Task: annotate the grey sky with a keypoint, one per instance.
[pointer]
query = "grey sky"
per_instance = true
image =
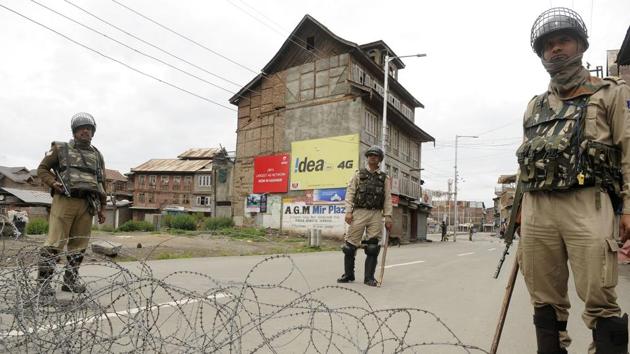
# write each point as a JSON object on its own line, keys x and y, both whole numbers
{"x": 477, "y": 78}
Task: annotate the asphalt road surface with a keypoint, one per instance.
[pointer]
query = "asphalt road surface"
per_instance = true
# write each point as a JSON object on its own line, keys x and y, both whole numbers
{"x": 453, "y": 280}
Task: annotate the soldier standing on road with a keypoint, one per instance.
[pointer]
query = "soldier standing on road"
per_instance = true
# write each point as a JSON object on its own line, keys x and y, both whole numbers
{"x": 78, "y": 188}
{"x": 368, "y": 201}
{"x": 575, "y": 171}
{"x": 443, "y": 229}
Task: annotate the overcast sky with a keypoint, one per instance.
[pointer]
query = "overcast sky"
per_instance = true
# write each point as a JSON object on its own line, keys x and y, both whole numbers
{"x": 477, "y": 78}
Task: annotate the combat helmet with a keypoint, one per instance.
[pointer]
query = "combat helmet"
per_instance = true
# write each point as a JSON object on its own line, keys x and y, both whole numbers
{"x": 375, "y": 150}
{"x": 553, "y": 20}
{"x": 81, "y": 119}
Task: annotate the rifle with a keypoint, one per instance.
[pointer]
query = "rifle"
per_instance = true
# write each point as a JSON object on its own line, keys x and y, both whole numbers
{"x": 509, "y": 238}
{"x": 512, "y": 226}
{"x": 65, "y": 188}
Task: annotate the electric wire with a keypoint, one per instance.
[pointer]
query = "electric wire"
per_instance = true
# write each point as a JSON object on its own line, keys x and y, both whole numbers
{"x": 117, "y": 60}
{"x": 132, "y": 48}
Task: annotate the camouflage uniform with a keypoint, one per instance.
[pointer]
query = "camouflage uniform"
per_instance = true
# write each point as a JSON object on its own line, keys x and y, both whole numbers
{"x": 70, "y": 221}
{"x": 568, "y": 213}
{"x": 368, "y": 220}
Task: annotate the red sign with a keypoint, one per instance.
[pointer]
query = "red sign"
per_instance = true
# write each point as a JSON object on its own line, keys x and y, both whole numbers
{"x": 271, "y": 173}
{"x": 395, "y": 200}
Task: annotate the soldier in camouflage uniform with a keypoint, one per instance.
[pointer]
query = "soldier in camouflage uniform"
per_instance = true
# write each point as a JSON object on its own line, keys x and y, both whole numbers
{"x": 75, "y": 172}
{"x": 368, "y": 202}
{"x": 575, "y": 169}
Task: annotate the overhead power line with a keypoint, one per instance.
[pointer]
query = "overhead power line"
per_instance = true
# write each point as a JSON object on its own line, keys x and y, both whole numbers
{"x": 116, "y": 60}
{"x": 151, "y": 44}
{"x": 132, "y": 48}
{"x": 184, "y": 37}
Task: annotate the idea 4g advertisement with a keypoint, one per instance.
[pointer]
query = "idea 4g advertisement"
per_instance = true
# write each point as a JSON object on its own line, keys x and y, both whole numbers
{"x": 324, "y": 163}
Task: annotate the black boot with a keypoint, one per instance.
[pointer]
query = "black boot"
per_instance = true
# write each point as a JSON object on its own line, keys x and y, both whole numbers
{"x": 46, "y": 270}
{"x": 350, "y": 252}
{"x": 71, "y": 281}
{"x": 547, "y": 330}
{"x": 371, "y": 259}
{"x": 610, "y": 335}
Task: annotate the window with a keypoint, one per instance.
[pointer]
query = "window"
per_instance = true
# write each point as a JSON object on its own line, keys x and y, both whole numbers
{"x": 310, "y": 43}
{"x": 175, "y": 198}
{"x": 152, "y": 180}
{"x": 141, "y": 181}
{"x": 177, "y": 180}
{"x": 404, "y": 148}
{"x": 141, "y": 198}
{"x": 388, "y": 169}
{"x": 388, "y": 136}
{"x": 186, "y": 198}
{"x": 395, "y": 172}
{"x": 165, "y": 182}
{"x": 372, "y": 124}
{"x": 150, "y": 198}
{"x": 395, "y": 140}
{"x": 188, "y": 183}
{"x": 204, "y": 180}
{"x": 415, "y": 155}
{"x": 203, "y": 200}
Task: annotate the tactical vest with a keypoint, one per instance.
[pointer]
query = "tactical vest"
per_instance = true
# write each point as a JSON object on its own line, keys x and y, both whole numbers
{"x": 370, "y": 190}
{"x": 557, "y": 156}
{"x": 81, "y": 170}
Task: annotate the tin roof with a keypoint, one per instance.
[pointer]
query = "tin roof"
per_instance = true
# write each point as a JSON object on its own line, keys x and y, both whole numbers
{"x": 172, "y": 165}
{"x": 114, "y": 175}
{"x": 198, "y": 153}
{"x": 30, "y": 196}
{"x": 16, "y": 174}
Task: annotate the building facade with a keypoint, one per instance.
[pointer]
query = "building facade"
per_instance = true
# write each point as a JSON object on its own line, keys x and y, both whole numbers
{"x": 320, "y": 86}
{"x": 198, "y": 181}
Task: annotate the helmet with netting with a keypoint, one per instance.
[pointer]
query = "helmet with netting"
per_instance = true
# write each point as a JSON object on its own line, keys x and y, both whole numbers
{"x": 80, "y": 119}
{"x": 375, "y": 150}
{"x": 554, "y": 20}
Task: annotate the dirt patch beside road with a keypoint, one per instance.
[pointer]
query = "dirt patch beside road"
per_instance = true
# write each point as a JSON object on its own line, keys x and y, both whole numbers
{"x": 149, "y": 246}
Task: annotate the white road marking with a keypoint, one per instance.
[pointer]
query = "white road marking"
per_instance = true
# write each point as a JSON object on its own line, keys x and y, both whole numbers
{"x": 133, "y": 311}
{"x": 402, "y": 264}
{"x": 492, "y": 249}
{"x": 465, "y": 254}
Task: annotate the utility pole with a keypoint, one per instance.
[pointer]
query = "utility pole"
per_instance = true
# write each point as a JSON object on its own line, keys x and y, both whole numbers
{"x": 456, "y": 177}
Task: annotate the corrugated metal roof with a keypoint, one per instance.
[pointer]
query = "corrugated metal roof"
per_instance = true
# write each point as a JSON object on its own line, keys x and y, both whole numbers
{"x": 199, "y": 153}
{"x": 114, "y": 175}
{"x": 16, "y": 174}
{"x": 172, "y": 165}
{"x": 30, "y": 196}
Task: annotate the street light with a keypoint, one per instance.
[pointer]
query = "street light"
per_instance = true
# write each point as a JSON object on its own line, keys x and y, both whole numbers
{"x": 385, "y": 88}
{"x": 456, "y": 222}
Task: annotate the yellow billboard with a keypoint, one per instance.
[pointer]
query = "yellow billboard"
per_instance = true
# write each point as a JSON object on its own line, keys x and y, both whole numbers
{"x": 324, "y": 163}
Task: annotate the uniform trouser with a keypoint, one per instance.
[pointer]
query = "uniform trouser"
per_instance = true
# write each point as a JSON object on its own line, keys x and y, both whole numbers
{"x": 561, "y": 226}
{"x": 368, "y": 220}
{"x": 70, "y": 224}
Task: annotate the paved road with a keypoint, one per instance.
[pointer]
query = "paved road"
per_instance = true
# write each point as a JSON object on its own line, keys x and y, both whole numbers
{"x": 451, "y": 279}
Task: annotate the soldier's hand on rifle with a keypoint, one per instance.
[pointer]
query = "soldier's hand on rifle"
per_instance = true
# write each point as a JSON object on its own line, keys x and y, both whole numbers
{"x": 624, "y": 228}
{"x": 348, "y": 219}
{"x": 101, "y": 217}
{"x": 388, "y": 225}
{"x": 58, "y": 187}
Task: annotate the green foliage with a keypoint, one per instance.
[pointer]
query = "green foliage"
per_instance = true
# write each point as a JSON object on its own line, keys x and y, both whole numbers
{"x": 184, "y": 222}
{"x": 166, "y": 220}
{"x": 133, "y": 225}
{"x": 244, "y": 233}
{"x": 106, "y": 228}
{"x": 37, "y": 227}
{"x": 218, "y": 223}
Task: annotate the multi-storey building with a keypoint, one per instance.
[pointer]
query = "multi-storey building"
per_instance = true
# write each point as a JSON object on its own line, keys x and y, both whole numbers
{"x": 321, "y": 86}
{"x": 198, "y": 181}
